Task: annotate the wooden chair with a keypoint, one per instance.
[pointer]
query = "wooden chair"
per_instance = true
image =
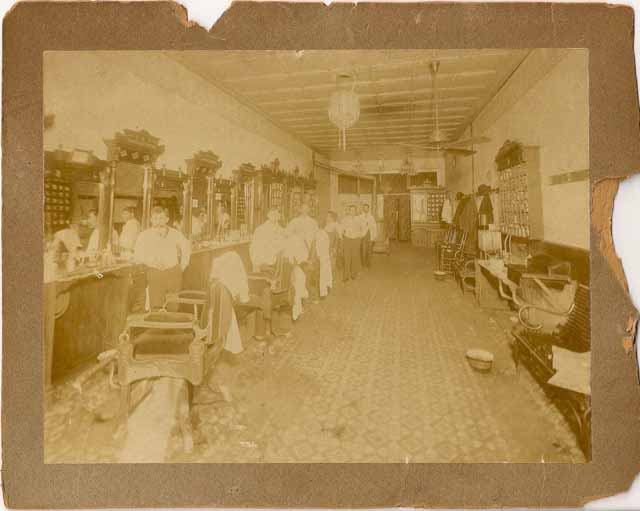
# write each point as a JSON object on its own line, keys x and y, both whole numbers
{"x": 465, "y": 274}
{"x": 447, "y": 240}
{"x": 175, "y": 345}
{"x": 534, "y": 348}
{"x": 451, "y": 255}
{"x": 269, "y": 292}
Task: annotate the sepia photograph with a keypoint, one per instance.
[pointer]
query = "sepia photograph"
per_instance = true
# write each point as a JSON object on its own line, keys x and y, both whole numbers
{"x": 327, "y": 256}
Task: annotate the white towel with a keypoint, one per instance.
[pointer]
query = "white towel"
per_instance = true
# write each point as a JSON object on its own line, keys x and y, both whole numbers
{"x": 447, "y": 211}
{"x": 233, "y": 341}
{"x": 299, "y": 282}
{"x": 229, "y": 270}
{"x": 326, "y": 273}
{"x": 296, "y": 250}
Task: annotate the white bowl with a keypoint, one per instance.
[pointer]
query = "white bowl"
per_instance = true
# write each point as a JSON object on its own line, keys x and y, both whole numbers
{"x": 480, "y": 360}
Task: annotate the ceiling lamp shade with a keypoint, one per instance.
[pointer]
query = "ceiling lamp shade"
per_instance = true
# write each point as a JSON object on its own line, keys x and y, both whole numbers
{"x": 344, "y": 107}
{"x": 407, "y": 167}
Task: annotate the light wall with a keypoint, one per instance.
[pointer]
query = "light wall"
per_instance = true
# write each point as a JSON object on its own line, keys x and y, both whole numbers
{"x": 546, "y": 104}
{"x": 421, "y": 164}
{"x": 95, "y": 94}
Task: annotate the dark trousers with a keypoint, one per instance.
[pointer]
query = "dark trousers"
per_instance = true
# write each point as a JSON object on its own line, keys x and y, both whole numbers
{"x": 161, "y": 282}
{"x": 351, "y": 248}
{"x": 365, "y": 250}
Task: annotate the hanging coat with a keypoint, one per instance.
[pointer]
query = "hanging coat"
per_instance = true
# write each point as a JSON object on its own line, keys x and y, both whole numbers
{"x": 468, "y": 221}
{"x": 486, "y": 208}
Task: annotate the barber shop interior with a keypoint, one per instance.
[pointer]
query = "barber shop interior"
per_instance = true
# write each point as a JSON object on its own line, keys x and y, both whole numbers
{"x": 352, "y": 256}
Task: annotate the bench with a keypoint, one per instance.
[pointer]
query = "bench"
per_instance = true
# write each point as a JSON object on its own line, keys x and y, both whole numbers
{"x": 535, "y": 349}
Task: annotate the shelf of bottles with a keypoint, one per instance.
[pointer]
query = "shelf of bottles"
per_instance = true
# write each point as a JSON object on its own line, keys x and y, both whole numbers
{"x": 435, "y": 200}
{"x": 57, "y": 203}
{"x": 514, "y": 201}
{"x": 276, "y": 195}
{"x": 243, "y": 203}
{"x": 296, "y": 194}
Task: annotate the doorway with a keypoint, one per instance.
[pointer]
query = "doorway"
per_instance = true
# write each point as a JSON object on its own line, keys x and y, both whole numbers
{"x": 397, "y": 216}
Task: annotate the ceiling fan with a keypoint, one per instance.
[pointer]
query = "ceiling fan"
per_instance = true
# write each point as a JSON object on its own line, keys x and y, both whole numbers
{"x": 438, "y": 140}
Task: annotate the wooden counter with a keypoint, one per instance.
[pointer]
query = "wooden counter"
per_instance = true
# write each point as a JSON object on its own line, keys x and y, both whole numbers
{"x": 85, "y": 311}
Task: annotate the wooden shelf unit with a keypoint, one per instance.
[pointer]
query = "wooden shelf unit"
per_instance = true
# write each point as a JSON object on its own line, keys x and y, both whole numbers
{"x": 426, "y": 207}
{"x": 520, "y": 185}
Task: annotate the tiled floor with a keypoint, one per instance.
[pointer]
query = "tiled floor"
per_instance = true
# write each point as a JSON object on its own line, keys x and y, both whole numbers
{"x": 375, "y": 373}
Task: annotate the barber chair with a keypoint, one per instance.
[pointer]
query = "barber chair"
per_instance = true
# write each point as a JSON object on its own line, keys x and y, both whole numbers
{"x": 269, "y": 292}
{"x": 545, "y": 326}
{"x": 174, "y": 345}
{"x": 453, "y": 255}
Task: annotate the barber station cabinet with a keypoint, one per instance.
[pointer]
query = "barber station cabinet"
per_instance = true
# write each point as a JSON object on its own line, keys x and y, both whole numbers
{"x": 202, "y": 168}
{"x": 243, "y": 199}
{"x": 311, "y": 197}
{"x": 134, "y": 154}
{"x": 301, "y": 190}
{"x": 426, "y": 206}
{"x": 273, "y": 180}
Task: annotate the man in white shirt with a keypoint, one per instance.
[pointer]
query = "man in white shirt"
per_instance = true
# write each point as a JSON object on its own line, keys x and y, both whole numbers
{"x": 352, "y": 231}
{"x": 166, "y": 253}
{"x": 304, "y": 227}
{"x": 130, "y": 230}
{"x": 92, "y": 245}
{"x": 370, "y": 234}
{"x": 198, "y": 224}
{"x": 267, "y": 242}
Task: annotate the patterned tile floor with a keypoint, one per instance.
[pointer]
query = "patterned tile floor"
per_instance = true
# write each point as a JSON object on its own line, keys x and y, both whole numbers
{"x": 375, "y": 373}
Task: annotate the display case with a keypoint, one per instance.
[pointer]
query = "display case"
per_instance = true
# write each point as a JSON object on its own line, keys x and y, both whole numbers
{"x": 426, "y": 208}
{"x": 70, "y": 187}
{"x": 520, "y": 191}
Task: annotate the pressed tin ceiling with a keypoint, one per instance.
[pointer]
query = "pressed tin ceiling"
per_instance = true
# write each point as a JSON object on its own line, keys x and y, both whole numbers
{"x": 395, "y": 87}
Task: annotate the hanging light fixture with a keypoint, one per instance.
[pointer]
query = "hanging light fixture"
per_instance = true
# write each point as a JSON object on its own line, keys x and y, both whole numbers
{"x": 407, "y": 167}
{"x": 344, "y": 107}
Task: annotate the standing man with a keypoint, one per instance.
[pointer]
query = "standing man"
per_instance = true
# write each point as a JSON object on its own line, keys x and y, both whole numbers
{"x": 267, "y": 242}
{"x": 94, "y": 238}
{"x": 370, "y": 234}
{"x": 305, "y": 228}
{"x": 334, "y": 231}
{"x": 198, "y": 224}
{"x": 130, "y": 230}
{"x": 351, "y": 236}
{"x": 166, "y": 253}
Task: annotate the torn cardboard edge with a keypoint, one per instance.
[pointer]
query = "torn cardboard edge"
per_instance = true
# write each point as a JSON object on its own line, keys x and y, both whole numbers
{"x": 603, "y": 195}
